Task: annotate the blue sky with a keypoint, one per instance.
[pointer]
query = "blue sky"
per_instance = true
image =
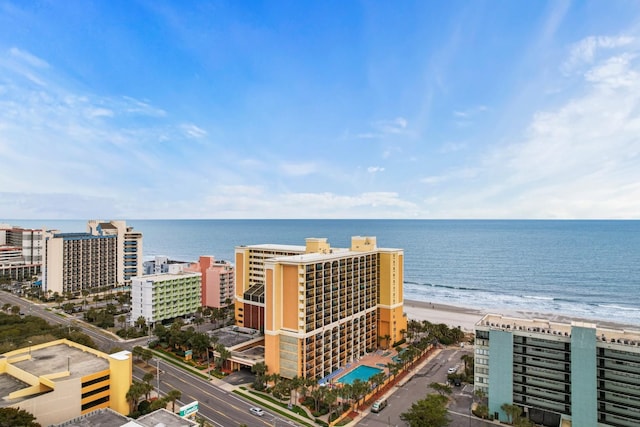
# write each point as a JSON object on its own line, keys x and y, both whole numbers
{"x": 319, "y": 109}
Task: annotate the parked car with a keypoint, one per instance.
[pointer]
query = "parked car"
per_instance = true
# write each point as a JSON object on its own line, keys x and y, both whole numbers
{"x": 379, "y": 405}
{"x": 256, "y": 411}
{"x": 452, "y": 370}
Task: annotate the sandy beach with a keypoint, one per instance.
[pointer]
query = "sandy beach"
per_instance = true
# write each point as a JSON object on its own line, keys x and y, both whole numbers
{"x": 466, "y": 318}
{"x": 450, "y": 315}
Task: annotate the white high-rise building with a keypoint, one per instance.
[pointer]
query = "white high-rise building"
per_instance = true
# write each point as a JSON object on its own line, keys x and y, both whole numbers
{"x": 109, "y": 254}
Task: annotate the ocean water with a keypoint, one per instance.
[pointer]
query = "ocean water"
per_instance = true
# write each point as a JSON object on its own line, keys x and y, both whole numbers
{"x": 585, "y": 269}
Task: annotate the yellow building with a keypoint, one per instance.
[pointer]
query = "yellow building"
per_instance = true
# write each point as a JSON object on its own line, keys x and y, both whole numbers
{"x": 61, "y": 379}
{"x": 323, "y": 307}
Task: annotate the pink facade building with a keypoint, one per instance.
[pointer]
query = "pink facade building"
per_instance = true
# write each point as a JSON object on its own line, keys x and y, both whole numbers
{"x": 218, "y": 281}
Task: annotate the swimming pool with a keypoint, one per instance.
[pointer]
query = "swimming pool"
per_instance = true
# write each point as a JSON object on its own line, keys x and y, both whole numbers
{"x": 362, "y": 373}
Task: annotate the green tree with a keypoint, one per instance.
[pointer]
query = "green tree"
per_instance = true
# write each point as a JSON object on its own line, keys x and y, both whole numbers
{"x": 12, "y": 417}
{"x": 174, "y": 395}
{"x": 134, "y": 394}
{"x": 513, "y": 413}
{"x": 428, "y": 412}
{"x": 146, "y": 355}
{"x": 359, "y": 389}
{"x": 141, "y": 323}
{"x": 260, "y": 369}
{"x": 123, "y": 321}
{"x": 378, "y": 380}
{"x": 442, "y": 389}
{"x": 200, "y": 343}
{"x": 223, "y": 356}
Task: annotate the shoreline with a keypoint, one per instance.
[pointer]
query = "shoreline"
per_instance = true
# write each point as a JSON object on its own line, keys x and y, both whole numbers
{"x": 466, "y": 317}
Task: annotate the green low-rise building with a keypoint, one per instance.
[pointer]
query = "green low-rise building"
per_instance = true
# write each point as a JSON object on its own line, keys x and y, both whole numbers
{"x": 160, "y": 297}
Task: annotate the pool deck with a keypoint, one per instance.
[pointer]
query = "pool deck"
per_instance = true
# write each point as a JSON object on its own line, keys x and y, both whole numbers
{"x": 377, "y": 360}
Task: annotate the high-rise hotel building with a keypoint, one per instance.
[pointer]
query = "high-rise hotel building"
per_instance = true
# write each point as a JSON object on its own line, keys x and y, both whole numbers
{"x": 107, "y": 255}
{"x": 320, "y": 307}
{"x": 560, "y": 374}
{"x": 21, "y": 251}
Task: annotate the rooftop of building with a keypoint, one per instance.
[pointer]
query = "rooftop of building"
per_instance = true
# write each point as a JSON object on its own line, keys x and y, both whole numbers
{"x": 109, "y": 418}
{"x": 275, "y": 247}
{"x": 233, "y": 336}
{"x": 98, "y": 418}
{"x": 57, "y": 358}
{"x": 166, "y": 276}
{"x": 558, "y": 328}
{"x": 107, "y": 225}
{"x": 164, "y": 418}
{"x": 57, "y": 361}
{"x": 82, "y": 235}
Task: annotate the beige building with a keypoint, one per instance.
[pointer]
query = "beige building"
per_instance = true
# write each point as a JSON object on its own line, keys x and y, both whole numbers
{"x": 323, "y": 307}
{"x": 108, "y": 255}
{"x": 59, "y": 380}
{"x": 129, "y": 257}
{"x": 21, "y": 252}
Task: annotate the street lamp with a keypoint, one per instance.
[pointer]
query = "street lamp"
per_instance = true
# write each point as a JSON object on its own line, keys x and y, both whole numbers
{"x": 158, "y": 375}
{"x": 208, "y": 366}
{"x": 30, "y": 349}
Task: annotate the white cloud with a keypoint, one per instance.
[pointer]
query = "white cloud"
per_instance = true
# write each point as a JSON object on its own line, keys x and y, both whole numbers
{"x": 193, "y": 131}
{"x": 28, "y": 58}
{"x": 585, "y": 51}
{"x": 470, "y": 111}
{"x": 375, "y": 169}
{"x": 452, "y": 147}
{"x": 385, "y": 128}
{"x": 135, "y": 106}
{"x": 298, "y": 169}
{"x": 613, "y": 73}
{"x": 579, "y": 160}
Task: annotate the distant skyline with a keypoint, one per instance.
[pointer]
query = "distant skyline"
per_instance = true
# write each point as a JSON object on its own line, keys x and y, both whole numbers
{"x": 332, "y": 109}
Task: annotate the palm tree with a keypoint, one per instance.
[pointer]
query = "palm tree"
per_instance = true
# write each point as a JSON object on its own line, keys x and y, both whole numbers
{"x": 147, "y": 378}
{"x": 359, "y": 389}
{"x": 123, "y": 321}
{"x": 260, "y": 369}
{"x": 317, "y": 394}
{"x": 136, "y": 390}
{"x": 330, "y": 398}
{"x": 394, "y": 368}
{"x": 174, "y": 395}
{"x": 378, "y": 380}
{"x": 295, "y": 382}
{"x": 387, "y": 339}
{"x": 224, "y": 355}
{"x": 468, "y": 361}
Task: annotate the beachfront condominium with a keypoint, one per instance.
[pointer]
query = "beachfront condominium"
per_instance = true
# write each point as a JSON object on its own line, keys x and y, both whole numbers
{"x": 129, "y": 247}
{"x": 165, "y": 296}
{"x": 61, "y": 379}
{"x": 250, "y": 280}
{"x": 218, "y": 281}
{"x": 21, "y": 252}
{"x": 109, "y": 254}
{"x": 323, "y": 307}
{"x": 559, "y": 374}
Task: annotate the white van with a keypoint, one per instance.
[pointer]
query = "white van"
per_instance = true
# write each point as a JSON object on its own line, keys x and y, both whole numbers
{"x": 379, "y": 405}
